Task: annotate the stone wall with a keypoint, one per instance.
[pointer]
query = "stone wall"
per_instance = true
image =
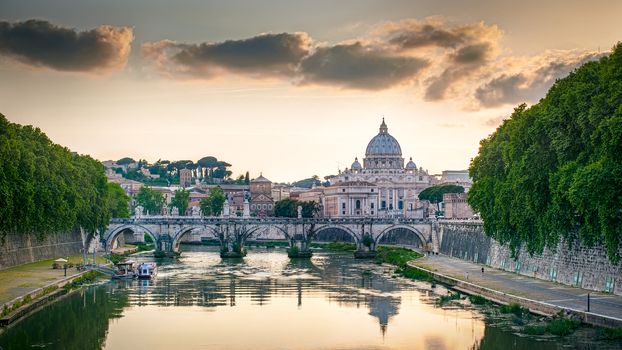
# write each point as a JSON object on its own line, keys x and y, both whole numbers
{"x": 20, "y": 249}
{"x": 576, "y": 265}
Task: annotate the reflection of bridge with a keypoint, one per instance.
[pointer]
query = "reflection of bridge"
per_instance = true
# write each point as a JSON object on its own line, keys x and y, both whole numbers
{"x": 168, "y": 231}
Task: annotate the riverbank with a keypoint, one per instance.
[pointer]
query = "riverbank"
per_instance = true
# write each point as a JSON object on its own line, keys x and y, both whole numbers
{"x": 539, "y": 297}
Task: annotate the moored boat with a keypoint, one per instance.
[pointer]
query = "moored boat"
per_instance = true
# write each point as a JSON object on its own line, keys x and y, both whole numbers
{"x": 125, "y": 270}
{"x": 147, "y": 270}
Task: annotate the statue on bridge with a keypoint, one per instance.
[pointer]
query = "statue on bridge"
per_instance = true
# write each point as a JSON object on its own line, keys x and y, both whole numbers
{"x": 175, "y": 211}
{"x": 138, "y": 212}
{"x": 196, "y": 211}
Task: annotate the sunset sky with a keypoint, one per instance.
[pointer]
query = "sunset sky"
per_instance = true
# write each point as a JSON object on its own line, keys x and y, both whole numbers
{"x": 289, "y": 88}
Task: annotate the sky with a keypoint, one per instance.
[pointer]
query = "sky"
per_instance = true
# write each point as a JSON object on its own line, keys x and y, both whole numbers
{"x": 287, "y": 88}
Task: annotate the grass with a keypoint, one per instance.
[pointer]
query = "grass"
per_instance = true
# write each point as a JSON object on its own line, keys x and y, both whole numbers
{"x": 396, "y": 256}
{"x": 535, "y": 329}
{"x": 84, "y": 279}
{"x": 612, "y": 333}
{"x": 143, "y": 247}
{"x": 562, "y": 326}
{"x": 27, "y": 299}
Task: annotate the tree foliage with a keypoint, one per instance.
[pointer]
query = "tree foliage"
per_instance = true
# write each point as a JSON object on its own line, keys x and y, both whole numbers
{"x": 125, "y": 161}
{"x": 45, "y": 188}
{"x": 435, "y": 194}
{"x": 180, "y": 200}
{"x": 288, "y": 208}
{"x": 118, "y": 201}
{"x": 150, "y": 200}
{"x": 213, "y": 205}
{"x": 555, "y": 169}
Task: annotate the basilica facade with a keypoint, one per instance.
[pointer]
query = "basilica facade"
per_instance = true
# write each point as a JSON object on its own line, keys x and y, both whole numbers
{"x": 382, "y": 186}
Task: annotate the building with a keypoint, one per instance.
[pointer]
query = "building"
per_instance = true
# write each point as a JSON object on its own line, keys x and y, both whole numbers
{"x": 382, "y": 186}
{"x": 261, "y": 203}
{"x": 185, "y": 177}
{"x": 456, "y": 206}
{"x": 456, "y": 177}
{"x": 280, "y": 192}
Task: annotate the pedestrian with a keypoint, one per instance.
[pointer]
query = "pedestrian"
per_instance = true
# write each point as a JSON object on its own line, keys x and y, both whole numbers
{"x": 466, "y": 275}
{"x": 482, "y": 270}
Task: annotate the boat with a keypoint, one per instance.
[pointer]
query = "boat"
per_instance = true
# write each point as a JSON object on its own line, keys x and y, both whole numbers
{"x": 147, "y": 270}
{"x": 125, "y": 270}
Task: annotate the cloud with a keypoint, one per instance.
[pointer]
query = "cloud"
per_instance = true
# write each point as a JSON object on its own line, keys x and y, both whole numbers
{"x": 435, "y": 32}
{"x": 39, "y": 43}
{"x": 265, "y": 55}
{"x": 359, "y": 66}
{"x": 533, "y": 79}
{"x": 461, "y": 64}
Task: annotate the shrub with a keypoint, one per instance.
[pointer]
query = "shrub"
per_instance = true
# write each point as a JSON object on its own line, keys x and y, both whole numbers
{"x": 447, "y": 298}
{"x": 477, "y": 300}
{"x": 562, "y": 326}
{"x": 512, "y": 308}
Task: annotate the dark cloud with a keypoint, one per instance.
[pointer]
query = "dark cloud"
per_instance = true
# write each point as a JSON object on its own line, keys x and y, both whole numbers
{"x": 412, "y": 34}
{"x": 262, "y": 55}
{"x": 359, "y": 66}
{"x": 42, "y": 44}
{"x": 463, "y": 63}
{"x": 530, "y": 86}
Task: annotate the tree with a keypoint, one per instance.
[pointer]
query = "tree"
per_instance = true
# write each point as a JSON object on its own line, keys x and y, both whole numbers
{"x": 206, "y": 206}
{"x": 45, "y": 188}
{"x": 247, "y": 179}
{"x": 435, "y": 194}
{"x": 216, "y": 200}
{"x": 118, "y": 201}
{"x": 149, "y": 199}
{"x": 554, "y": 170}
{"x": 288, "y": 208}
{"x": 180, "y": 200}
{"x": 125, "y": 161}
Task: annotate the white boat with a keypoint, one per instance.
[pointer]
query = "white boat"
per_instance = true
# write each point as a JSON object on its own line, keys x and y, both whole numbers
{"x": 125, "y": 270}
{"x": 147, "y": 270}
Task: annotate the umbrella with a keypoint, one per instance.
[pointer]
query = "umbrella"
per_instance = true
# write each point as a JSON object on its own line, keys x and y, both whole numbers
{"x": 60, "y": 260}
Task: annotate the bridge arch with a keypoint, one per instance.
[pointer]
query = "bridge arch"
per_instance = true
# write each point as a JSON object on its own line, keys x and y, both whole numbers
{"x": 114, "y": 233}
{"x": 388, "y": 230}
{"x": 346, "y": 229}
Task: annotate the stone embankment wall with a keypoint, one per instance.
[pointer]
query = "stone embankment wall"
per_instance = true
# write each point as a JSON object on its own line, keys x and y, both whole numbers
{"x": 20, "y": 249}
{"x": 576, "y": 265}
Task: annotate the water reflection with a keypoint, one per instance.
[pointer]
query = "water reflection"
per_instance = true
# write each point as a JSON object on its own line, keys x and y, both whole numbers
{"x": 262, "y": 301}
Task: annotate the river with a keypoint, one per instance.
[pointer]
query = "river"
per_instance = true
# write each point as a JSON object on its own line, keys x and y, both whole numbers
{"x": 264, "y": 301}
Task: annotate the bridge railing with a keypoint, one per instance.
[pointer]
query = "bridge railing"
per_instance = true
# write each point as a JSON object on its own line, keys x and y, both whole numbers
{"x": 154, "y": 219}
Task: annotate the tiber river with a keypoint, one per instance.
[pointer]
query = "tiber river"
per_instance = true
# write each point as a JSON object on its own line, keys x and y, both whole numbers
{"x": 264, "y": 301}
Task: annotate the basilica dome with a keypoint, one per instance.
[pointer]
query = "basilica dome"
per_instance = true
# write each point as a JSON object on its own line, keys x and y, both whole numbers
{"x": 356, "y": 165}
{"x": 383, "y": 144}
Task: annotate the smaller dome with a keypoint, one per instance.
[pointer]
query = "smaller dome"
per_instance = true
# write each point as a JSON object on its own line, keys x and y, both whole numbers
{"x": 356, "y": 165}
{"x": 411, "y": 165}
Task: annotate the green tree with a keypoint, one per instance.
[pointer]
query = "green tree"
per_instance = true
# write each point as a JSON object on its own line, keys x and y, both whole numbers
{"x": 180, "y": 200}
{"x": 554, "y": 170}
{"x": 150, "y": 199}
{"x": 435, "y": 194}
{"x": 206, "y": 206}
{"x": 216, "y": 201}
{"x": 288, "y": 208}
{"x": 118, "y": 201}
{"x": 247, "y": 179}
{"x": 125, "y": 161}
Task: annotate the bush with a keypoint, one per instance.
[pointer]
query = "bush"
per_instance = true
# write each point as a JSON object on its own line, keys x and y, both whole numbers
{"x": 447, "y": 298}
{"x": 512, "y": 308}
{"x": 477, "y": 300}
{"x": 336, "y": 246}
{"x": 562, "y": 326}
{"x": 84, "y": 279}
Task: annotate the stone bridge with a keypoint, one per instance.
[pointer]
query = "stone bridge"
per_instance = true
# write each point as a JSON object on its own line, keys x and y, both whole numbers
{"x": 167, "y": 232}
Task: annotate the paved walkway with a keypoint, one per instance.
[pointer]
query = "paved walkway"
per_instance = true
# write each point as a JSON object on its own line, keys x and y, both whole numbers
{"x": 523, "y": 286}
{"x": 20, "y": 280}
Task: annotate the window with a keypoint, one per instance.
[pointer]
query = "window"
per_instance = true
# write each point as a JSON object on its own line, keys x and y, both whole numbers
{"x": 358, "y": 204}
{"x": 383, "y": 204}
{"x": 372, "y": 212}
{"x": 343, "y": 205}
{"x": 343, "y": 213}
{"x": 253, "y": 206}
{"x": 372, "y": 190}
{"x": 391, "y": 206}
{"x": 420, "y": 178}
{"x": 270, "y": 206}
{"x": 343, "y": 190}
{"x": 372, "y": 205}
{"x": 400, "y": 205}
